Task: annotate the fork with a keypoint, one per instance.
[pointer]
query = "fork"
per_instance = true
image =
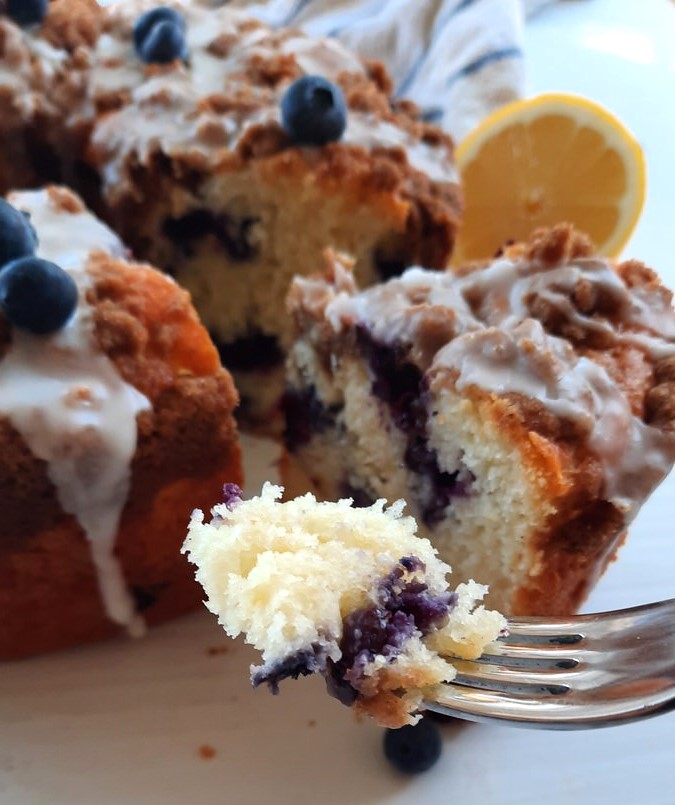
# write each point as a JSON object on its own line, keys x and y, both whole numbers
{"x": 570, "y": 673}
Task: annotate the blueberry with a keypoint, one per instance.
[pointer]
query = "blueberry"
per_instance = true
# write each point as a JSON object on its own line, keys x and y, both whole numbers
{"x": 165, "y": 43}
{"x": 17, "y": 236}
{"x": 413, "y": 749}
{"x": 231, "y": 495}
{"x": 314, "y": 111}
{"x": 36, "y": 295}
{"x": 26, "y": 12}
{"x": 146, "y": 22}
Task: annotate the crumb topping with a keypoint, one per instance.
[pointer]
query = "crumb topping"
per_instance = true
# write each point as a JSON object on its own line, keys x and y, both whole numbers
{"x": 231, "y": 88}
{"x": 42, "y": 70}
{"x": 562, "y": 334}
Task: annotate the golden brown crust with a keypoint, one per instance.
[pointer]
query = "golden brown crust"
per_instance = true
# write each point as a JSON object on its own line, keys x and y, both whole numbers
{"x": 187, "y": 448}
{"x": 49, "y": 594}
{"x": 426, "y": 213}
{"x": 583, "y": 532}
{"x": 71, "y": 24}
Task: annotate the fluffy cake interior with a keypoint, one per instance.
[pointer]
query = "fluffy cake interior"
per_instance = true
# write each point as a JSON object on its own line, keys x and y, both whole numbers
{"x": 494, "y": 495}
{"x": 349, "y": 592}
{"x": 235, "y": 245}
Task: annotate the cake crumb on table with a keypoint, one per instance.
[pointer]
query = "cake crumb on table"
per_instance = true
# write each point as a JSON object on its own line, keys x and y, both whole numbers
{"x": 206, "y": 752}
{"x": 216, "y": 651}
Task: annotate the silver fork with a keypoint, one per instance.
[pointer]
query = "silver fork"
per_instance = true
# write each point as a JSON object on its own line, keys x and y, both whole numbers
{"x": 574, "y": 673}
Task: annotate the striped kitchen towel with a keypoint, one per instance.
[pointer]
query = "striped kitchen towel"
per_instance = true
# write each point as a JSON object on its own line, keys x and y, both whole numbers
{"x": 457, "y": 59}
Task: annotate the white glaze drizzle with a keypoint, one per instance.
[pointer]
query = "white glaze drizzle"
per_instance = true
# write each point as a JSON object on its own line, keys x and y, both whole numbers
{"x": 70, "y": 404}
{"x": 174, "y": 123}
{"x": 495, "y": 344}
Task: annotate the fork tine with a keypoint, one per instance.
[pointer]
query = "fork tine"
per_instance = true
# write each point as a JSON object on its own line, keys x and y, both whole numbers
{"x": 551, "y": 627}
{"x": 570, "y": 673}
{"x": 650, "y": 617}
{"x": 553, "y": 634}
{"x": 542, "y": 682}
{"x": 555, "y": 712}
{"x": 550, "y": 656}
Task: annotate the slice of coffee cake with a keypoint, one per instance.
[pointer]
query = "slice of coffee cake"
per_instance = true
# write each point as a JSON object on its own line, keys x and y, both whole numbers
{"x": 525, "y": 409}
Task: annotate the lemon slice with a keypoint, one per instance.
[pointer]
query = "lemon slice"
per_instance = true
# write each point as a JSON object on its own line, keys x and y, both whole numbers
{"x": 549, "y": 159}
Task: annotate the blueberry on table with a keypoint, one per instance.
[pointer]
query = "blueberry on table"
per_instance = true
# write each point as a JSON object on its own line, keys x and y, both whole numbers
{"x": 17, "y": 236}
{"x": 413, "y": 749}
{"x": 314, "y": 111}
{"x": 26, "y": 12}
{"x": 37, "y": 295}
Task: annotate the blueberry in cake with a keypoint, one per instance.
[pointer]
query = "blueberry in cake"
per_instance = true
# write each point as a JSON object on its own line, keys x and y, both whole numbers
{"x": 231, "y": 155}
{"x": 115, "y": 417}
{"x": 525, "y": 409}
{"x": 349, "y": 593}
{"x": 27, "y": 12}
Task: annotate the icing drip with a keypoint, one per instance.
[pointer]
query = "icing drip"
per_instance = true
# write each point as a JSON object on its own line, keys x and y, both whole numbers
{"x": 527, "y": 361}
{"x": 482, "y": 327}
{"x": 70, "y": 404}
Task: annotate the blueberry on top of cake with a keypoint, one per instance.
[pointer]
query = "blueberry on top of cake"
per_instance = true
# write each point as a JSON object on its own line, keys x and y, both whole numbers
{"x": 350, "y": 593}
{"x": 231, "y": 154}
{"x": 524, "y": 408}
{"x": 114, "y": 414}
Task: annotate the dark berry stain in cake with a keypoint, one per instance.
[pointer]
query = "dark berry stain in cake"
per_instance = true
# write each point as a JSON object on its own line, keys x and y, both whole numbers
{"x": 257, "y": 351}
{"x": 302, "y": 663}
{"x": 146, "y": 597}
{"x": 401, "y": 385}
{"x": 389, "y": 266}
{"x": 232, "y": 495}
{"x": 234, "y": 233}
{"x": 360, "y": 498}
{"x": 305, "y": 416}
{"x": 403, "y": 607}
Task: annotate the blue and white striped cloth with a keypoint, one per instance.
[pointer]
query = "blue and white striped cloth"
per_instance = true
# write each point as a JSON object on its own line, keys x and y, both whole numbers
{"x": 457, "y": 59}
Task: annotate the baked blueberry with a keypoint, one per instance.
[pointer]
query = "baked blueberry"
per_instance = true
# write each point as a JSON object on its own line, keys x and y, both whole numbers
{"x": 146, "y": 22}
{"x": 159, "y": 36}
{"x": 413, "y": 749}
{"x": 165, "y": 43}
{"x": 37, "y": 295}
{"x": 231, "y": 495}
{"x": 17, "y": 236}
{"x": 26, "y": 12}
{"x": 314, "y": 111}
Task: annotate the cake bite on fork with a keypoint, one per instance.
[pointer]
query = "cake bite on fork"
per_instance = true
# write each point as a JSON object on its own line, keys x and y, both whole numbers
{"x": 350, "y": 593}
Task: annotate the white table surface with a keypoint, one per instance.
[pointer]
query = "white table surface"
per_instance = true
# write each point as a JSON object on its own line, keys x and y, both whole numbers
{"x": 122, "y": 723}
